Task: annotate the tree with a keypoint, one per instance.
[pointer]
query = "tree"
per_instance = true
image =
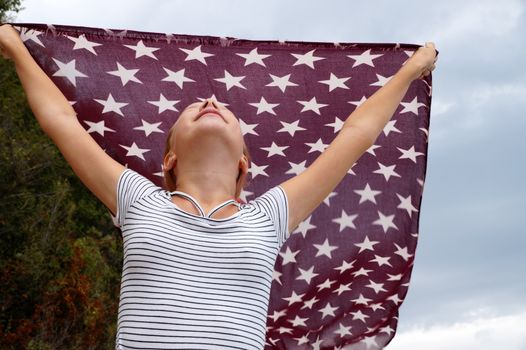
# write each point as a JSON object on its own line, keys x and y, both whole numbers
{"x": 60, "y": 256}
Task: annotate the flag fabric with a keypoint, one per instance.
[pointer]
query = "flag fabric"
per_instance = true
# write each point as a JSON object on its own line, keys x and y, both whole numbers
{"x": 341, "y": 277}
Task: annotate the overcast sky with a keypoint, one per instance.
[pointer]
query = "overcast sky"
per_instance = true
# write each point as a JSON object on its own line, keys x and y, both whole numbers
{"x": 468, "y": 288}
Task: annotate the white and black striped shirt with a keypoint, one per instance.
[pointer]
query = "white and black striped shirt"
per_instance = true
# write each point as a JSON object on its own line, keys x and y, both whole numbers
{"x": 190, "y": 281}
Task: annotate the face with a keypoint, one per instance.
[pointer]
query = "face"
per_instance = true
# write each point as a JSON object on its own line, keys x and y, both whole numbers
{"x": 207, "y": 132}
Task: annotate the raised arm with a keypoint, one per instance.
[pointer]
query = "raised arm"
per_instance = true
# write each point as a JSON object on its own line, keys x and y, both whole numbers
{"x": 359, "y": 132}
{"x": 98, "y": 171}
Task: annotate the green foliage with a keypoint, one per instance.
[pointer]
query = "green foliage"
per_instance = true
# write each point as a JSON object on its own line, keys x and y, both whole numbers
{"x": 60, "y": 256}
{"x": 8, "y": 6}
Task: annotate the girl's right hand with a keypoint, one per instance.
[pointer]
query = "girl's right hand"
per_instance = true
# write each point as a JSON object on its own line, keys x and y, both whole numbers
{"x": 8, "y": 36}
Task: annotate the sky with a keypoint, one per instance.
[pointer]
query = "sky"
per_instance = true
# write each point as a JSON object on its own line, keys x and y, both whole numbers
{"x": 468, "y": 287}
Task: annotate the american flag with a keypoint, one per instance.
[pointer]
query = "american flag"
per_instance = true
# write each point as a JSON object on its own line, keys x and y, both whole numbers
{"x": 341, "y": 277}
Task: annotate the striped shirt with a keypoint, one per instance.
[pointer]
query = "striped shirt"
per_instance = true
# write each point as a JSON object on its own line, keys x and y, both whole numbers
{"x": 192, "y": 281}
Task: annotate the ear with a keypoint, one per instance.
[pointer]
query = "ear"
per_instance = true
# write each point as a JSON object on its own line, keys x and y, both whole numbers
{"x": 169, "y": 161}
{"x": 243, "y": 174}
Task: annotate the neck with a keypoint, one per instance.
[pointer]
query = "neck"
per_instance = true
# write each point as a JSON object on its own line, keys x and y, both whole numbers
{"x": 208, "y": 186}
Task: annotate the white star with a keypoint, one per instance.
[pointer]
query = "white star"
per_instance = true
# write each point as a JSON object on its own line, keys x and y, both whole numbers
{"x": 394, "y": 277}
{"x": 328, "y": 310}
{"x": 358, "y": 103}
{"x": 319, "y": 146}
{"x": 307, "y": 59}
{"x": 82, "y": 43}
{"x": 309, "y": 303}
{"x": 312, "y": 105}
{"x": 334, "y": 82}
{"x": 256, "y": 170}
{"x": 343, "y": 288}
{"x": 390, "y": 126}
{"x": 386, "y": 171}
{"x": 98, "y": 127}
{"x": 276, "y": 276}
{"x": 343, "y": 331}
{"x": 345, "y": 220}
{"x": 298, "y": 321}
{"x": 159, "y": 173}
{"x": 247, "y": 128}
{"x": 291, "y": 128}
{"x": 367, "y": 194}
{"x": 264, "y": 106}
{"x": 345, "y": 266}
{"x": 326, "y": 201}
{"x": 149, "y": 128}
{"x": 142, "y": 50}
{"x": 231, "y": 81}
{"x": 164, "y": 104}
{"x": 370, "y": 342}
{"x": 385, "y": 221}
{"x": 30, "y": 34}
{"x": 289, "y": 256}
{"x": 395, "y": 299}
{"x": 381, "y": 260}
{"x": 405, "y": 203}
{"x": 381, "y": 80}
{"x": 361, "y": 300}
{"x": 253, "y": 57}
{"x": 134, "y": 150}
{"x": 284, "y": 330}
{"x": 409, "y": 153}
{"x": 377, "y": 306}
{"x": 403, "y": 252}
{"x": 363, "y": 58}
{"x": 69, "y": 71}
{"x": 361, "y": 272}
{"x": 120, "y": 34}
{"x": 176, "y": 77}
{"x": 296, "y": 168}
{"x": 412, "y": 106}
{"x": 325, "y": 248}
{"x": 372, "y": 148}
{"x": 377, "y": 287}
{"x": 294, "y": 298}
{"x": 426, "y": 132}
{"x": 304, "y": 226}
{"x": 196, "y": 54}
{"x": 366, "y": 245}
{"x": 337, "y": 125}
{"x": 281, "y": 82}
{"x": 126, "y": 75}
{"x": 275, "y": 149}
{"x": 358, "y": 315}
{"x": 245, "y": 194}
{"x": 278, "y": 314}
{"x": 325, "y": 285}
{"x": 110, "y": 105}
{"x": 303, "y": 340}
{"x": 386, "y": 329}
{"x": 306, "y": 275}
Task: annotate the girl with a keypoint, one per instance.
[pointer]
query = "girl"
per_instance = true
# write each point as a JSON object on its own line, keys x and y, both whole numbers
{"x": 198, "y": 264}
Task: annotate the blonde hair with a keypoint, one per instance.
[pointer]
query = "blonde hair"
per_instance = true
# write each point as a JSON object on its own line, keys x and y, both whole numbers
{"x": 170, "y": 179}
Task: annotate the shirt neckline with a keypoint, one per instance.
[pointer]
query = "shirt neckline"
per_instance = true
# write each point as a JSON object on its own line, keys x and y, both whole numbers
{"x": 201, "y": 210}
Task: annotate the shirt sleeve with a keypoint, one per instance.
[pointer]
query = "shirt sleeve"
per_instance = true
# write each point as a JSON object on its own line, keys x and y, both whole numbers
{"x": 131, "y": 187}
{"x": 274, "y": 203}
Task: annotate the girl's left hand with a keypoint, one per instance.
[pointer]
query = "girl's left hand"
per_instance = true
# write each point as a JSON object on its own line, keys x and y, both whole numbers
{"x": 423, "y": 61}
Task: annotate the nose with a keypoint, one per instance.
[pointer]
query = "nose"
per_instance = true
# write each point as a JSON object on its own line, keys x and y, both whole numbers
{"x": 208, "y": 104}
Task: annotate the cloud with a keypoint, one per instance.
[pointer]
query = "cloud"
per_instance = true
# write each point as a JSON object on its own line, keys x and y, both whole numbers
{"x": 473, "y": 20}
{"x": 481, "y": 333}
